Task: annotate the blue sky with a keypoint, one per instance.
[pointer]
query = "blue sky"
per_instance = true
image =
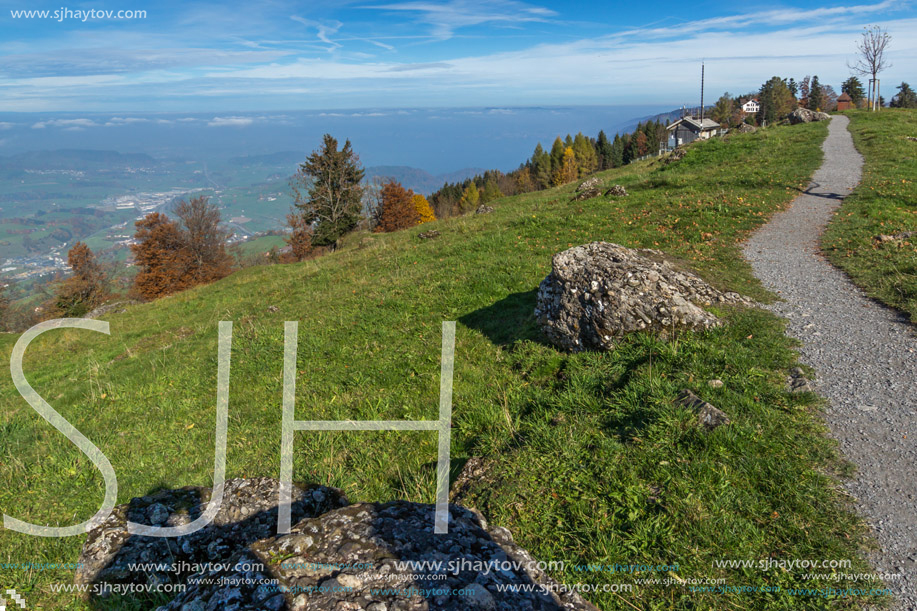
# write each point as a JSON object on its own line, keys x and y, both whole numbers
{"x": 325, "y": 54}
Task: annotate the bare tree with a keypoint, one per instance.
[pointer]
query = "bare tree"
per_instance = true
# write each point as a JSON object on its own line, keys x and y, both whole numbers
{"x": 205, "y": 239}
{"x": 871, "y": 50}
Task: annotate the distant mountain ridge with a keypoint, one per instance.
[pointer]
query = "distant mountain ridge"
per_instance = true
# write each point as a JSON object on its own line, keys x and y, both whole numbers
{"x": 416, "y": 179}
{"x": 420, "y": 181}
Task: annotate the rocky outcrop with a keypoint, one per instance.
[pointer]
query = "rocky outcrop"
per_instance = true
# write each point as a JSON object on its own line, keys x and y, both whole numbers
{"x": 804, "y": 115}
{"x": 428, "y": 235}
{"x": 598, "y": 292}
{"x": 745, "y": 128}
{"x": 589, "y": 188}
{"x": 337, "y": 556}
{"x": 675, "y": 155}
{"x": 248, "y": 513}
{"x": 484, "y": 209}
{"x": 617, "y": 191}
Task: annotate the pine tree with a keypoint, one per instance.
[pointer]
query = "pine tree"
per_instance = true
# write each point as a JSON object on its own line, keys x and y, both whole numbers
{"x": 584, "y": 153}
{"x": 722, "y": 110}
{"x": 328, "y": 191}
{"x": 491, "y": 191}
{"x": 604, "y": 151}
{"x": 816, "y": 95}
{"x": 541, "y": 167}
{"x": 557, "y": 157}
{"x": 617, "y": 152}
{"x": 854, "y": 88}
{"x": 567, "y": 171}
{"x": 471, "y": 197}
{"x": 905, "y": 98}
{"x": 776, "y": 99}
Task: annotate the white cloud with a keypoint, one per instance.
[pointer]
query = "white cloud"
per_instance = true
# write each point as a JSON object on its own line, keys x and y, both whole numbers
{"x": 5, "y": 125}
{"x": 68, "y": 124}
{"x": 117, "y": 121}
{"x": 230, "y": 122}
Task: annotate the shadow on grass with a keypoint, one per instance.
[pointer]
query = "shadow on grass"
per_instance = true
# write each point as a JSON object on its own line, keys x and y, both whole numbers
{"x": 508, "y": 321}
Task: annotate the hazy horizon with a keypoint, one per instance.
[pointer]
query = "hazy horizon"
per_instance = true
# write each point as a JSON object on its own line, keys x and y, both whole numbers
{"x": 437, "y": 140}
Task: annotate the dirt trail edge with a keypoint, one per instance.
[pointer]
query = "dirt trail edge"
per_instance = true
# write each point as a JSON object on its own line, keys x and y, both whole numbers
{"x": 864, "y": 355}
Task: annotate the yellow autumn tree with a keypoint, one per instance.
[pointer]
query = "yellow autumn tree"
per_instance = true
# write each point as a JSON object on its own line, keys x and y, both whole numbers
{"x": 566, "y": 171}
{"x": 471, "y": 197}
{"x": 424, "y": 210}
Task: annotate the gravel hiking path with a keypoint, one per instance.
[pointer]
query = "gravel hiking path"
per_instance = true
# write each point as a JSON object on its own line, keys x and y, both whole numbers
{"x": 864, "y": 355}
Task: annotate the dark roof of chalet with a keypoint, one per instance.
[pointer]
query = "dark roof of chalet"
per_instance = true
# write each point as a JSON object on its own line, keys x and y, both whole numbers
{"x": 844, "y": 98}
{"x": 696, "y": 124}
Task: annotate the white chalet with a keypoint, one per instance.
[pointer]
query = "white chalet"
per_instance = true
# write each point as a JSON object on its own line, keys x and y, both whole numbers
{"x": 751, "y": 107}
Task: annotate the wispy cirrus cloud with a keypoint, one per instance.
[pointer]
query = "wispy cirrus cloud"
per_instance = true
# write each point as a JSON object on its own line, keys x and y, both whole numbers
{"x": 446, "y": 17}
{"x": 324, "y": 31}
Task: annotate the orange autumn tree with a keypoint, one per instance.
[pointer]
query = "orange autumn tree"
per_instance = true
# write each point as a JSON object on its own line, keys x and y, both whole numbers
{"x": 161, "y": 256}
{"x": 423, "y": 208}
{"x": 397, "y": 210}
{"x": 300, "y": 238}
{"x": 84, "y": 290}
{"x": 174, "y": 256}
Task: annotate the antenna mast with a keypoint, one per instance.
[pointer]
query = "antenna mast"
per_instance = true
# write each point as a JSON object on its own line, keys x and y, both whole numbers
{"x": 702, "y": 93}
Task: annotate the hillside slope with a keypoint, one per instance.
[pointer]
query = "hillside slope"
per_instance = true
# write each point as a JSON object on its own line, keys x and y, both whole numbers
{"x": 586, "y": 458}
{"x": 883, "y": 204}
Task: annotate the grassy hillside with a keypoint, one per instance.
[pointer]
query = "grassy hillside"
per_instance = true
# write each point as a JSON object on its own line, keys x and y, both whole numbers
{"x": 588, "y": 460}
{"x": 884, "y": 203}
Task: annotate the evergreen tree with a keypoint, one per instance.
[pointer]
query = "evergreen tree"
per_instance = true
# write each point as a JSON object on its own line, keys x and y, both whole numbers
{"x": 557, "y": 157}
{"x": 567, "y": 170}
{"x": 723, "y": 109}
{"x": 491, "y": 191}
{"x": 854, "y": 88}
{"x": 471, "y": 197}
{"x": 617, "y": 152}
{"x": 905, "y": 98}
{"x": 603, "y": 149}
{"x": 793, "y": 86}
{"x": 328, "y": 191}
{"x": 776, "y": 100}
{"x": 541, "y": 167}
{"x": 816, "y": 95}
{"x": 584, "y": 153}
